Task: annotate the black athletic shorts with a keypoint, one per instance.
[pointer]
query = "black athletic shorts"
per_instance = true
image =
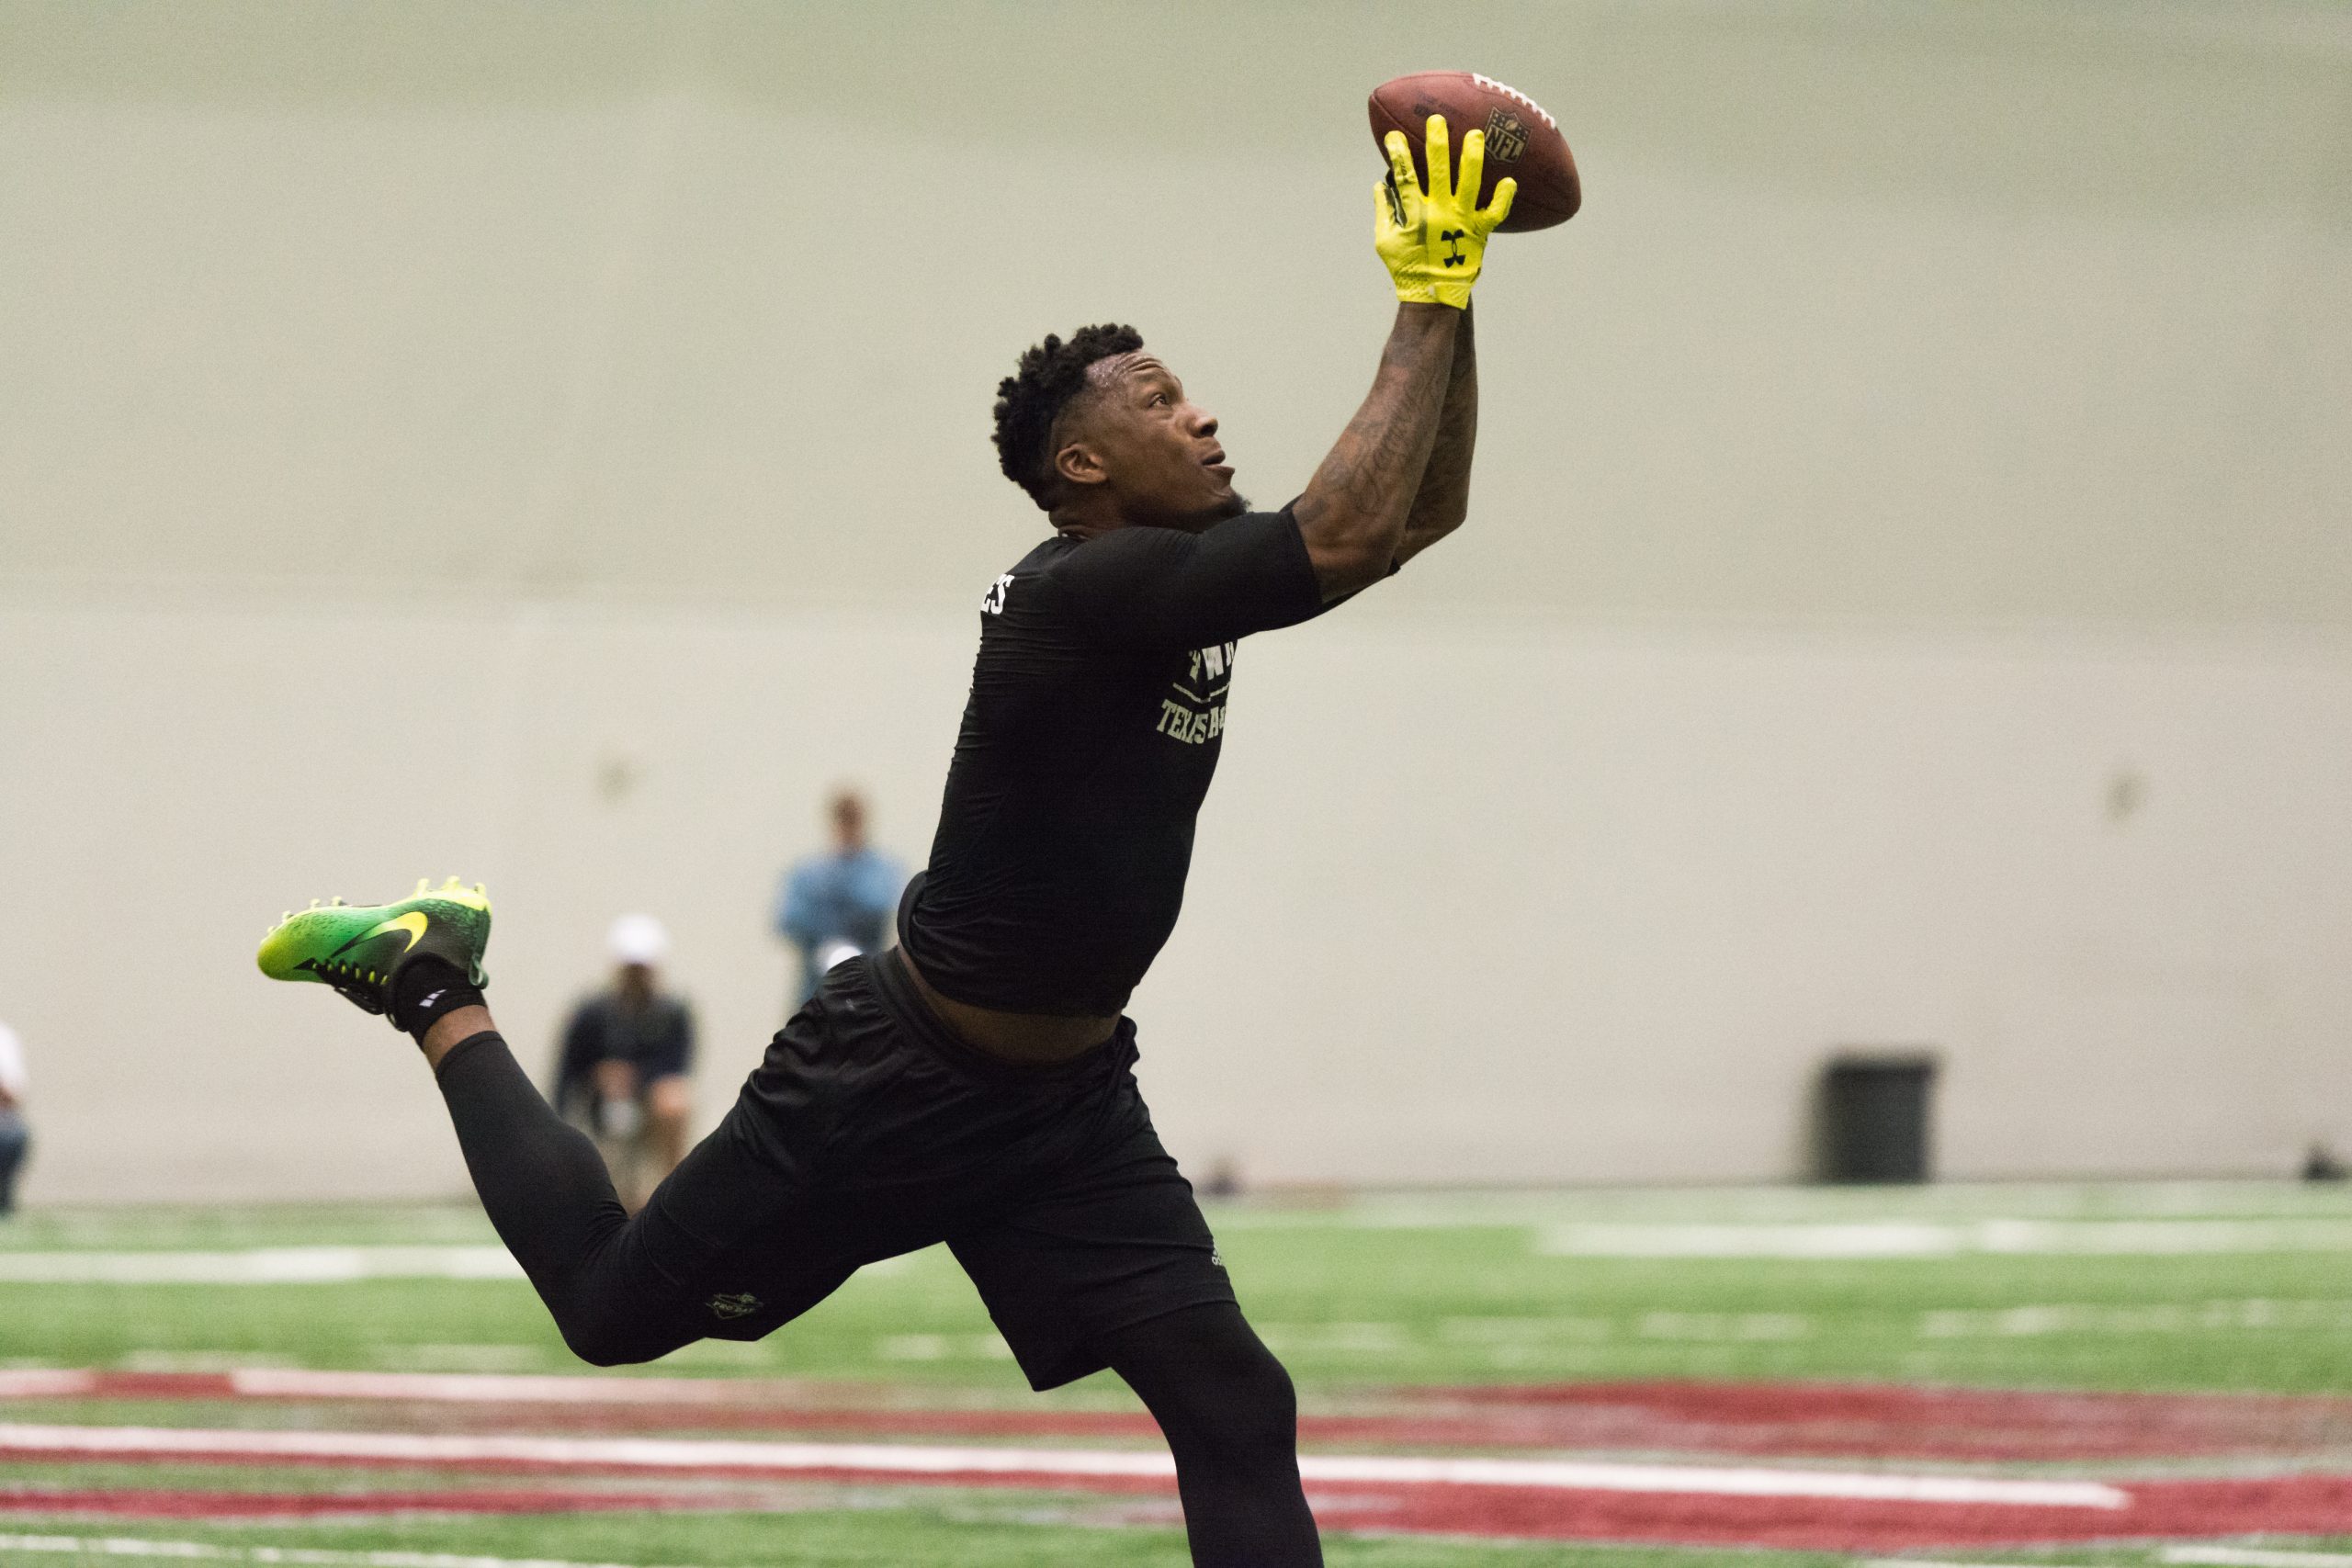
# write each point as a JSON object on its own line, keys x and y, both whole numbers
{"x": 869, "y": 1130}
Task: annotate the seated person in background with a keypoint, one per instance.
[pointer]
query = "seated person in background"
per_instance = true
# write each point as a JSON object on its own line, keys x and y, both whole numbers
{"x": 626, "y": 1052}
{"x": 839, "y": 902}
{"x": 15, "y": 1138}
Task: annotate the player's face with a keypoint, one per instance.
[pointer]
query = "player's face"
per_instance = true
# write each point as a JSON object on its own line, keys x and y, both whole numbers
{"x": 1157, "y": 450}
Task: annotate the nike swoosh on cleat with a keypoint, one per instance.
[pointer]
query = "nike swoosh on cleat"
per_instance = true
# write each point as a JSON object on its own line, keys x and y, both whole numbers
{"x": 410, "y": 925}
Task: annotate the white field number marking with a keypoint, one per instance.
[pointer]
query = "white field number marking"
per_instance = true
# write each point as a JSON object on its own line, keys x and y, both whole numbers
{"x": 913, "y": 1458}
{"x": 2253, "y": 1314}
{"x": 988, "y": 1346}
{"x": 259, "y": 1266}
{"x": 283, "y": 1266}
{"x": 1915, "y": 1239}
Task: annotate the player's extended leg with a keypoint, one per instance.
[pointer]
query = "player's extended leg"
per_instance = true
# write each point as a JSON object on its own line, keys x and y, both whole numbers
{"x": 620, "y": 1289}
{"x": 552, "y": 1201}
{"x": 1104, "y": 1259}
{"x": 1226, "y": 1407}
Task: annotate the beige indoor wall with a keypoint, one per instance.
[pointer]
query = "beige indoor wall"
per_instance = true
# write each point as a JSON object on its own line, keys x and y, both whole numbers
{"x": 1907, "y": 600}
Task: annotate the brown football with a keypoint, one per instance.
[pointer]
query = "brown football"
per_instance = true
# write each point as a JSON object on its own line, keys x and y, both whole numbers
{"x": 1522, "y": 142}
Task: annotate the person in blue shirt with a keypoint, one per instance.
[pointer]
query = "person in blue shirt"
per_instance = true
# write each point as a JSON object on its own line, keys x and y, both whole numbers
{"x": 15, "y": 1137}
{"x": 839, "y": 902}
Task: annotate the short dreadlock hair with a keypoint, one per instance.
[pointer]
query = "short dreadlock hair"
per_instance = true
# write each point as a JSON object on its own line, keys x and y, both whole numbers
{"x": 1027, "y": 403}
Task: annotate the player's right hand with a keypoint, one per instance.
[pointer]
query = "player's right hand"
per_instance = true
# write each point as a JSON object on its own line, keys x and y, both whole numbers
{"x": 1433, "y": 240}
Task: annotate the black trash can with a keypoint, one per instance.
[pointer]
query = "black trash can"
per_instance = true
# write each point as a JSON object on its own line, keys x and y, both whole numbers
{"x": 1873, "y": 1120}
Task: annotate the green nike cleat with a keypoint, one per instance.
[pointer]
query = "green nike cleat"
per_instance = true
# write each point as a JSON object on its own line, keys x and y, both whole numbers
{"x": 360, "y": 948}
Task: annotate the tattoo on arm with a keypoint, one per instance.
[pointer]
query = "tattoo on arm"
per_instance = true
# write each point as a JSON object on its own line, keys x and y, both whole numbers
{"x": 1382, "y": 444}
{"x": 1443, "y": 500}
{"x": 1354, "y": 509}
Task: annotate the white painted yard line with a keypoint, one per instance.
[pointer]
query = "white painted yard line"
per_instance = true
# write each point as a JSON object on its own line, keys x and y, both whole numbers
{"x": 2254, "y": 1313}
{"x": 913, "y": 1458}
{"x": 2075, "y": 1238}
{"x": 440, "y": 1388}
{"x": 137, "y": 1545}
{"x": 1572, "y": 1476}
{"x": 503, "y": 1388}
{"x": 259, "y": 1266}
{"x": 1943, "y": 1202}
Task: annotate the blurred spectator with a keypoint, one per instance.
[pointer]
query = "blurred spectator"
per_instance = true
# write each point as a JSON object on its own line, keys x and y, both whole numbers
{"x": 839, "y": 902}
{"x": 15, "y": 1137}
{"x": 622, "y": 1073}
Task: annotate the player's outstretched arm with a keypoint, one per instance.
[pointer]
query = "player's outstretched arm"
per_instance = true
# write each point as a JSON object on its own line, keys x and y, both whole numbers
{"x": 1443, "y": 500}
{"x": 1355, "y": 512}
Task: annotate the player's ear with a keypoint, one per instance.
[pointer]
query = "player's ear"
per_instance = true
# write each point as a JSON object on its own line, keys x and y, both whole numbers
{"x": 1078, "y": 463}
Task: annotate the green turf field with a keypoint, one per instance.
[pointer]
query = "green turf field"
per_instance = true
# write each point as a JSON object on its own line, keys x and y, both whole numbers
{"x": 974, "y": 1531}
{"x": 1382, "y": 1290}
{"x": 2218, "y": 1287}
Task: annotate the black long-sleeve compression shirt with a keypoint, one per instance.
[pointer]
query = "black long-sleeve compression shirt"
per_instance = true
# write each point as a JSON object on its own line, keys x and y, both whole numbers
{"x": 1095, "y": 720}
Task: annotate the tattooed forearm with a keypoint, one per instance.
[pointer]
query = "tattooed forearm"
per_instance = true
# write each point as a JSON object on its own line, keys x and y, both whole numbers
{"x": 1444, "y": 497}
{"x": 1386, "y": 441}
{"x": 1353, "y": 512}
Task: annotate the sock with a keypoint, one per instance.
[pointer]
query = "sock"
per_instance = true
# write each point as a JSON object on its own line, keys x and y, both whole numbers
{"x": 427, "y": 991}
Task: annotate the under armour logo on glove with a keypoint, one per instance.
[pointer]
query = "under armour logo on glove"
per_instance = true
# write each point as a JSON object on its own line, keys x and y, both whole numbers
{"x": 1453, "y": 237}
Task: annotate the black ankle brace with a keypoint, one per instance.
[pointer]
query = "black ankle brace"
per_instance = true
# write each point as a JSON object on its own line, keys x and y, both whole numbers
{"x": 427, "y": 991}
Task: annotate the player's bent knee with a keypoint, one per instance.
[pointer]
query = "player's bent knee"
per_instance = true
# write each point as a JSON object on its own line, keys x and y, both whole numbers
{"x": 603, "y": 1338}
{"x": 1242, "y": 1423}
{"x": 1218, "y": 1393}
{"x": 1260, "y": 1404}
{"x": 613, "y": 1350}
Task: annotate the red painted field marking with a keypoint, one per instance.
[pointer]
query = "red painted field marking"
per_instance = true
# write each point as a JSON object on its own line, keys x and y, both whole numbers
{"x": 1526, "y": 1498}
{"x": 2297, "y": 1505}
{"x": 1891, "y": 1420}
{"x": 722, "y": 1457}
{"x": 2158, "y": 1510}
{"x": 1824, "y": 1420}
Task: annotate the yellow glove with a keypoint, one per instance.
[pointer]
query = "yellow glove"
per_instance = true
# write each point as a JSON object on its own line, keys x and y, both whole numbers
{"x": 1433, "y": 240}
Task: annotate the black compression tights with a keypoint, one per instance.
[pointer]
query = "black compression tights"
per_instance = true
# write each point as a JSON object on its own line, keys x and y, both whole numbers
{"x": 1226, "y": 1408}
{"x": 552, "y": 1201}
{"x": 1221, "y": 1400}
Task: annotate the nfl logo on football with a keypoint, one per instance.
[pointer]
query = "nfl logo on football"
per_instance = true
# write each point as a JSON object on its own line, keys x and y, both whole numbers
{"x": 1506, "y": 137}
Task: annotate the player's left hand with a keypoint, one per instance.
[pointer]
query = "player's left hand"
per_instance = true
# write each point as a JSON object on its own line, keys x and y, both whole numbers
{"x": 1434, "y": 241}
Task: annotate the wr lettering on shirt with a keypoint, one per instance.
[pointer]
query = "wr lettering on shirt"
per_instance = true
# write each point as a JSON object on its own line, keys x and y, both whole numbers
{"x": 1216, "y": 660}
{"x": 992, "y": 602}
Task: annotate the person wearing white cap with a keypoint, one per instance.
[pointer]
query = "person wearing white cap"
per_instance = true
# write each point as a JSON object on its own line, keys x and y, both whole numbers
{"x": 627, "y": 1051}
